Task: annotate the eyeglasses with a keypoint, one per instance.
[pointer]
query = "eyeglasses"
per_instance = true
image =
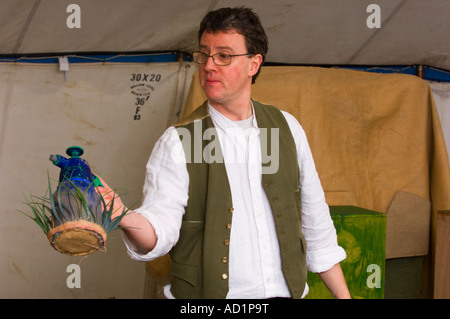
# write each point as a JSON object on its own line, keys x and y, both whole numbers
{"x": 220, "y": 59}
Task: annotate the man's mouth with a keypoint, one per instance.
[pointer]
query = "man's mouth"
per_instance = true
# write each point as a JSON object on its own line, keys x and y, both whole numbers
{"x": 212, "y": 81}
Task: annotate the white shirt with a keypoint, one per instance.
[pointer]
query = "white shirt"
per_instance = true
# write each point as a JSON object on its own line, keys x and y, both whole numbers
{"x": 254, "y": 260}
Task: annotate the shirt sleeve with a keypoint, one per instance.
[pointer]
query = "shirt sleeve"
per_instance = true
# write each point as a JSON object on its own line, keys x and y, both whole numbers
{"x": 323, "y": 251}
{"x": 165, "y": 195}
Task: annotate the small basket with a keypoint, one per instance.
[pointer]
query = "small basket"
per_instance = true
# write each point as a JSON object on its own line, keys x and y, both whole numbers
{"x": 77, "y": 238}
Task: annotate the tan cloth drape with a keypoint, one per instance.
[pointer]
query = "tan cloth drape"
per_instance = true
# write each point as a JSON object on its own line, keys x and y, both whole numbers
{"x": 372, "y": 135}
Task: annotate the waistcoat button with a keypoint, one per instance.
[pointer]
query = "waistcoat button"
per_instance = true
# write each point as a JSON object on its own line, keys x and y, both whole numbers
{"x": 224, "y": 276}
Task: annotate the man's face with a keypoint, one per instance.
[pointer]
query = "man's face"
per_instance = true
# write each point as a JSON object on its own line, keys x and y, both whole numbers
{"x": 230, "y": 83}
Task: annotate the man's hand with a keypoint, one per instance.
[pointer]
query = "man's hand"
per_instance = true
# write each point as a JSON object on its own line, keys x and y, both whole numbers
{"x": 108, "y": 195}
{"x": 135, "y": 226}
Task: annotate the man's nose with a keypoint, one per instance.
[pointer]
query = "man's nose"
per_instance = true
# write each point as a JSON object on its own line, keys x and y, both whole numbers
{"x": 210, "y": 65}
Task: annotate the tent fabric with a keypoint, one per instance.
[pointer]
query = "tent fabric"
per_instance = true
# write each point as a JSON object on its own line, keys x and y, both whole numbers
{"x": 300, "y": 32}
{"x": 116, "y": 112}
{"x": 441, "y": 94}
{"x": 371, "y": 135}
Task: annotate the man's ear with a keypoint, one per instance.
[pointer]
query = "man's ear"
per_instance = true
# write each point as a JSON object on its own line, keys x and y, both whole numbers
{"x": 255, "y": 63}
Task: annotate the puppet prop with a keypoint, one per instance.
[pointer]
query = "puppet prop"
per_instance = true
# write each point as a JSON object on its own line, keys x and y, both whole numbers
{"x": 75, "y": 218}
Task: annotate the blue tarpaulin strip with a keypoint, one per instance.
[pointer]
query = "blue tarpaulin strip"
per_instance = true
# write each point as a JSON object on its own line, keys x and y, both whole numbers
{"x": 117, "y": 58}
{"x": 430, "y": 73}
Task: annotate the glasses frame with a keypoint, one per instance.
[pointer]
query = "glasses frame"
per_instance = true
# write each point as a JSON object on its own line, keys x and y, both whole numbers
{"x": 212, "y": 56}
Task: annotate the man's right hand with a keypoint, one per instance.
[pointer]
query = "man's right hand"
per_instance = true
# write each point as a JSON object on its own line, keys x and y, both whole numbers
{"x": 108, "y": 195}
{"x": 136, "y": 227}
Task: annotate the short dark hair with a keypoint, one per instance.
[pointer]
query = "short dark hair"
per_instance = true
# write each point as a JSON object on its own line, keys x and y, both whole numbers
{"x": 244, "y": 21}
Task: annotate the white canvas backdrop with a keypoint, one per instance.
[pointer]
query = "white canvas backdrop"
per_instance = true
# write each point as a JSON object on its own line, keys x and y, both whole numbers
{"x": 441, "y": 95}
{"x": 115, "y": 112}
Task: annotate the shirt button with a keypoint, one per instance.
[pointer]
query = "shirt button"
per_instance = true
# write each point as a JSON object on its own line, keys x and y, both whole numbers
{"x": 224, "y": 276}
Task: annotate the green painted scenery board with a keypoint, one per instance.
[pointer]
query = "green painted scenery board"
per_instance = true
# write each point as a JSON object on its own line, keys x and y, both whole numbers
{"x": 362, "y": 234}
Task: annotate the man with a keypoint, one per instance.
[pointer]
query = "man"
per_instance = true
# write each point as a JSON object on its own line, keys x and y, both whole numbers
{"x": 234, "y": 228}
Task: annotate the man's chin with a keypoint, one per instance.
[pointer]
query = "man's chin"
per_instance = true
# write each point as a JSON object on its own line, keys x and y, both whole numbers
{"x": 214, "y": 97}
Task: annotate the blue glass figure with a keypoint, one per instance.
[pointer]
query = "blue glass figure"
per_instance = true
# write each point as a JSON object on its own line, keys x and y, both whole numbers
{"x": 75, "y": 196}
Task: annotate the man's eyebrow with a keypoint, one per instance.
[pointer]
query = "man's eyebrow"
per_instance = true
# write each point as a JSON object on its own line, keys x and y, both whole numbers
{"x": 202, "y": 46}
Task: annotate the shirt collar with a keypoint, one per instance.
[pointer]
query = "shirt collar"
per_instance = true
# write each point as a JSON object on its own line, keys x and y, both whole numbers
{"x": 223, "y": 122}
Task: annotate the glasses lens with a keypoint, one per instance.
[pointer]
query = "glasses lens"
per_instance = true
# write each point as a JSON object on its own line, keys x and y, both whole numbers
{"x": 222, "y": 59}
{"x": 200, "y": 57}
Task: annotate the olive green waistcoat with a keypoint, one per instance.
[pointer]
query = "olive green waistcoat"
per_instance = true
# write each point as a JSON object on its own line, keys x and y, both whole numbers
{"x": 200, "y": 258}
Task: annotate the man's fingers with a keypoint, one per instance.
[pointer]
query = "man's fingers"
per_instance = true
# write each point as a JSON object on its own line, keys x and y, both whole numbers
{"x": 108, "y": 195}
